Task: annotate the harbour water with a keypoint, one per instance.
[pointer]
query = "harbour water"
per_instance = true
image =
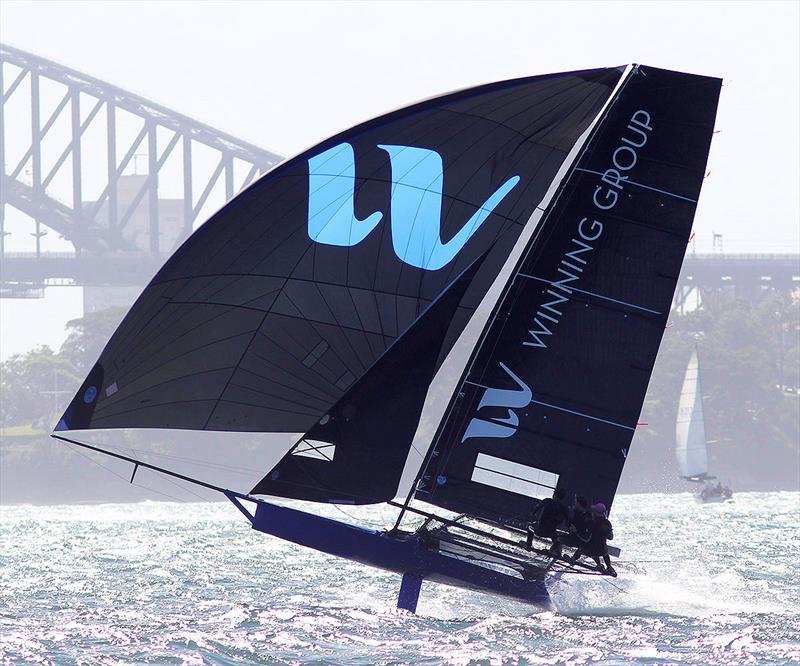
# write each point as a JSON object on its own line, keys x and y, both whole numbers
{"x": 172, "y": 583}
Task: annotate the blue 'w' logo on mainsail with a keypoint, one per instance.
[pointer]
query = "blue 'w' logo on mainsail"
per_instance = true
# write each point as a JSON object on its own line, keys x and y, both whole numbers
{"x": 416, "y": 205}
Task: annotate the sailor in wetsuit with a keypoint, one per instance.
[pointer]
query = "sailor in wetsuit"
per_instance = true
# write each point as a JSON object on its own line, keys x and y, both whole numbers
{"x": 596, "y": 547}
{"x": 580, "y": 522}
{"x": 551, "y": 513}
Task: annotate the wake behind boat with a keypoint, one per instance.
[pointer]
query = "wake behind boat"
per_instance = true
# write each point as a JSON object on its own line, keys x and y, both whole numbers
{"x": 513, "y": 247}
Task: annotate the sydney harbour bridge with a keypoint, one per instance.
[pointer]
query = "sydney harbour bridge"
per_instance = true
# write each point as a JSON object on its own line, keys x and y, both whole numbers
{"x": 91, "y": 164}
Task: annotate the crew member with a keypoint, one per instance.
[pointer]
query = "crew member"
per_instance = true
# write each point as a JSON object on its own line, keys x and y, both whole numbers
{"x": 580, "y": 520}
{"x": 596, "y": 547}
{"x": 551, "y": 513}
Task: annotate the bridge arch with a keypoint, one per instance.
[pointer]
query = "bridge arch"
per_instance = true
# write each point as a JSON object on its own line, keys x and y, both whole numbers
{"x": 126, "y": 218}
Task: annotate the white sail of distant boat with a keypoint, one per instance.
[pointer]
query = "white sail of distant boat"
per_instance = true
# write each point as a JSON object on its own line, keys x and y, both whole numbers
{"x": 690, "y": 429}
{"x": 690, "y": 437}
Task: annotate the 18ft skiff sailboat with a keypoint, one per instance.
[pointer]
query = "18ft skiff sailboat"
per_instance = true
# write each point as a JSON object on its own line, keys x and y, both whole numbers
{"x": 513, "y": 247}
{"x": 690, "y": 437}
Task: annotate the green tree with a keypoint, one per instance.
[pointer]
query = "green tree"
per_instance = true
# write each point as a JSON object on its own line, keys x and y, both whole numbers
{"x": 749, "y": 372}
{"x": 34, "y": 387}
{"x": 88, "y": 335}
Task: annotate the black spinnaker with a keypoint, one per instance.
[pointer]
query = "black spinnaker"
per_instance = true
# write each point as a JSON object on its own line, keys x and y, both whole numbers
{"x": 281, "y": 301}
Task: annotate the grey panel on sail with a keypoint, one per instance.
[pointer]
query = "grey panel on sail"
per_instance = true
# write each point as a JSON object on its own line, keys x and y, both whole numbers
{"x": 274, "y": 307}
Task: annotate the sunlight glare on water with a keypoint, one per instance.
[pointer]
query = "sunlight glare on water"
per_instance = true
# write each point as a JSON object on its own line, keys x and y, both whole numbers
{"x": 161, "y": 582}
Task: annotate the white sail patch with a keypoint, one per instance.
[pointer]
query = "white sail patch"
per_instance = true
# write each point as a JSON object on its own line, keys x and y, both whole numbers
{"x": 313, "y": 448}
{"x": 513, "y": 476}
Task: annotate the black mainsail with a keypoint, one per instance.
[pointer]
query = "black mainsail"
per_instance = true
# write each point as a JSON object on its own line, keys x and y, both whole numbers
{"x": 552, "y": 395}
{"x": 327, "y": 299}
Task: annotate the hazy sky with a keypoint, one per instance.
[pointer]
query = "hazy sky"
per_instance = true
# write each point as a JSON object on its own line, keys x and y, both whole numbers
{"x": 285, "y": 75}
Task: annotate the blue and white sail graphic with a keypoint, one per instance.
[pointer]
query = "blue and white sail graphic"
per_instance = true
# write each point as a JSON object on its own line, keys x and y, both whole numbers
{"x": 416, "y": 205}
{"x": 331, "y": 192}
{"x": 417, "y": 181}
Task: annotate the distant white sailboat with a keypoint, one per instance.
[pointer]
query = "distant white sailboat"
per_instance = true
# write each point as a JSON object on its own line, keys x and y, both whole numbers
{"x": 690, "y": 437}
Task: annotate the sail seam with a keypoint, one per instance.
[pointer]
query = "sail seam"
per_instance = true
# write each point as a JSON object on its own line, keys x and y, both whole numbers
{"x": 235, "y": 368}
{"x": 552, "y": 406}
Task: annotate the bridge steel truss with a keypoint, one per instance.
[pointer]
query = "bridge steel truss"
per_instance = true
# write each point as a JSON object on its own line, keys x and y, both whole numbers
{"x": 102, "y": 251}
{"x": 742, "y": 276}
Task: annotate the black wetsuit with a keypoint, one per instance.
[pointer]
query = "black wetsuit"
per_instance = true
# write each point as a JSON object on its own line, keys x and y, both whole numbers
{"x": 582, "y": 521}
{"x": 600, "y": 532}
{"x": 551, "y": 514}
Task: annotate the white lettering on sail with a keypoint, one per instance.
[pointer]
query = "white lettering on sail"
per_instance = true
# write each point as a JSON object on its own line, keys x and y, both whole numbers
{"x": 504, "y": 398}
{"x": 540, "y": 330}
{"x": 575, "y": 259}
{"x": 636, "y": 119}
{"x": 571, "y": 267}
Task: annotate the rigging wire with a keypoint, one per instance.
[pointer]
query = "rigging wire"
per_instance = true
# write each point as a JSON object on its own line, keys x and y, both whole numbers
{"x": 137, "y": 485}
{"x": 199, "y": 463}
{"x": 129, "y": 449}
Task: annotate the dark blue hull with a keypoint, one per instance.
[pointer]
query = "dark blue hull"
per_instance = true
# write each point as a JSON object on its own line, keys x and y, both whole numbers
{"x": 403, "y": 554}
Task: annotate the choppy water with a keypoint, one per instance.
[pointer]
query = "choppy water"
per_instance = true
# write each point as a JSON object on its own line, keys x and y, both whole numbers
{"x": 191, "y": 583}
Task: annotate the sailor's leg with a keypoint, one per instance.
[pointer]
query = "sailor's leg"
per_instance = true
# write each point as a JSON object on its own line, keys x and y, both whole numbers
{"x": 611, "y": 571}
{"x": 409, "y": 592}
{"x": 529, "y": 541}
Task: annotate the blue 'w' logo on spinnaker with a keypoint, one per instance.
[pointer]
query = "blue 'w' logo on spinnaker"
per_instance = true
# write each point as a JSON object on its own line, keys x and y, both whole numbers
{"x": 416, "y": 205}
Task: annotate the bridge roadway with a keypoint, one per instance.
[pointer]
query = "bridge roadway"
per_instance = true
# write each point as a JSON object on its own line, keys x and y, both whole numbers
{"x": 27, "y": 274}
{"x": 781, "y": 271}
